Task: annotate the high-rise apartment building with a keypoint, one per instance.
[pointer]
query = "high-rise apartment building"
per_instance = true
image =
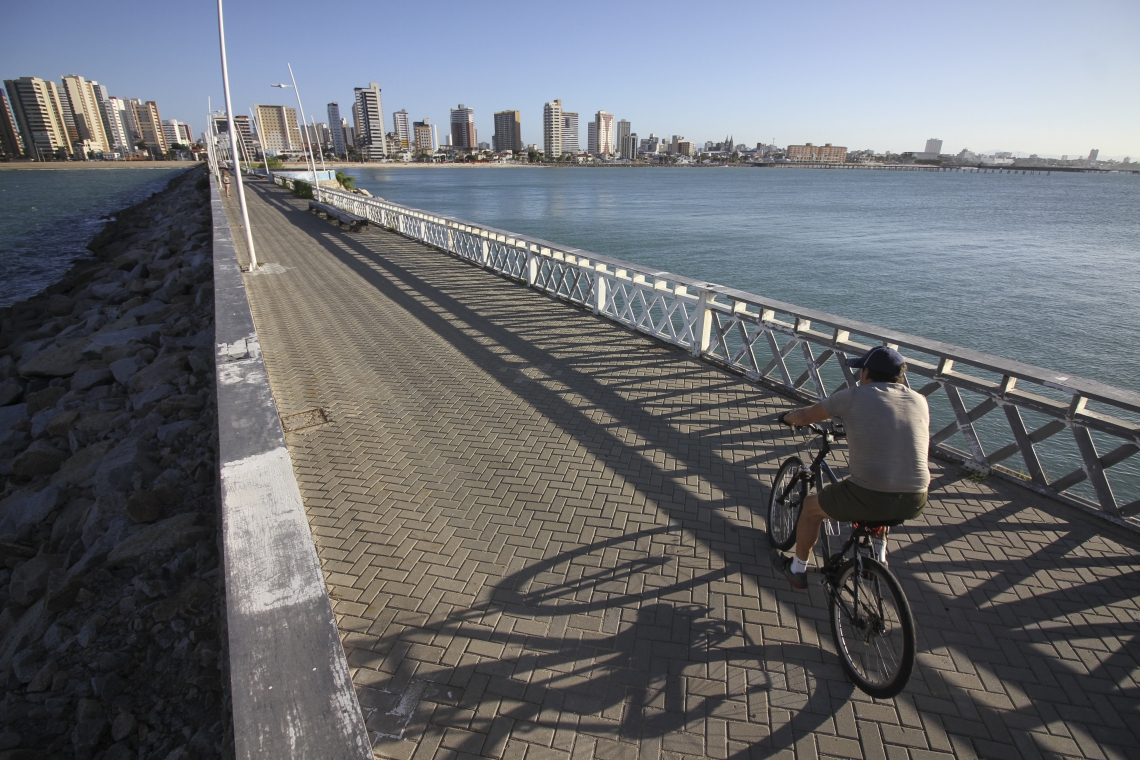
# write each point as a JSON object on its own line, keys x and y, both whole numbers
{"x": 85, "y": 111}
{"x": 508, "y": 132}
{"x": 570, "y": 132}
{"x": 278, "y": 129}
{"x": 605, "y": 133}
{"x": 1093, "y": 154}
{"x": 9, "y": 137}
{"x": 632, "y": 146}
{"x": 336, "y": 129}
{"x": 592, "y": 138}
{"x": 369, "y": 114}
{"x": 130, "y": 123}
{"x": 463, "y": 128}
{"x": 552, "y": 134}
{"x": 170, "y": 131}
{"x": 423, "y": 133}
{"x": 933, "y": 146}
{"x": 150, "y": 128}
{"x": 825, "y": 154}
{"x": 403, "y": 128}
{"x": 623, "y": 147}
{"x": 38, "y": 111}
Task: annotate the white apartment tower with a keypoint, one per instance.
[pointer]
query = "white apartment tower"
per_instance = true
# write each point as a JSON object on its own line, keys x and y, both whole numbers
{"x": 336, "y": 129}
{"x": 85, "y": 113}
{"x": 933, "y": 146}
{"x": 403, "y": 128}
{"x": 570, "y": 132}
{"x": 605, "y": 132}
{"x": 278, "y": 129}
{"x": 369, "y": 113}
{"x": 552, "y": 133}
{"x": 38, "y": 111}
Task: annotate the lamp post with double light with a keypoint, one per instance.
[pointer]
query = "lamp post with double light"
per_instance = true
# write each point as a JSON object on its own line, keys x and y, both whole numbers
{"x": 308, "y": 143}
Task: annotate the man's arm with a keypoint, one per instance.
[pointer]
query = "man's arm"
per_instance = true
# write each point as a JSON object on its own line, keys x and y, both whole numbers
{"x": 800, "y": 417}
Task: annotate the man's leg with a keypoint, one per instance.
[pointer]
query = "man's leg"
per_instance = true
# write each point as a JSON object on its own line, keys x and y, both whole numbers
{"x": 807, "y": 529}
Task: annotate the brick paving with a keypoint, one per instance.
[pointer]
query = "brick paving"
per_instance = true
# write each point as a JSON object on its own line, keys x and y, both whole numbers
{"x": 543, "y": 538}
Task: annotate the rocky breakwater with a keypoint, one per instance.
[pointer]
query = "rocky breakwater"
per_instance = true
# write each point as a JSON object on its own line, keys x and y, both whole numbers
{"x": 110, "y": 581}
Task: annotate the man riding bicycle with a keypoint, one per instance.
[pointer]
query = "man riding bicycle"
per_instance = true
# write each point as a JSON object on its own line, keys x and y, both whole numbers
{"x": 888, "y": 436}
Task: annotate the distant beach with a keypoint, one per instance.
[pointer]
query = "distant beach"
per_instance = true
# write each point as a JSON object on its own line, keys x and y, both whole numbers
{"x": 69, "y": 165}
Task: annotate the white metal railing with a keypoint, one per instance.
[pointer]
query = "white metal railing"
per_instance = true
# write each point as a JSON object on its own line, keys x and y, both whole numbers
{"x": 790, "y": 348}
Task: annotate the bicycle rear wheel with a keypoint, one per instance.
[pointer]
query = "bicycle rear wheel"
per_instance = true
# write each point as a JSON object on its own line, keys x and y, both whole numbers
{"x": 785, "y": 502}
{"x": 873, "y": 628}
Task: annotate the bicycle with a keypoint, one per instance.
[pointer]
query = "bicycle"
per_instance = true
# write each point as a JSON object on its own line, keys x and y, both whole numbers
{"x": 871, "y": 619}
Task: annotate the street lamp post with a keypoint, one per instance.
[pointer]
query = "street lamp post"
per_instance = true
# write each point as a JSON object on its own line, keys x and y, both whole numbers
{"x": 308, "y": 143}
{"x": 233, "y": 153}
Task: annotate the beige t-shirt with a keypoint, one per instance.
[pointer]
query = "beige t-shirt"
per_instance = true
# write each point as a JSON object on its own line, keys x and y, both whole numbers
{"x": 888, "y": 433}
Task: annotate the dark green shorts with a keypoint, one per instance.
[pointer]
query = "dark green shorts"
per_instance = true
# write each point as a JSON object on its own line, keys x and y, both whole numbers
{"x": 847, "y": 502}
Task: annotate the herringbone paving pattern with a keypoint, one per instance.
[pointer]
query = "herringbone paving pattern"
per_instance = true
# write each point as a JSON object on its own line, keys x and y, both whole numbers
{"x": 543, "y": 537}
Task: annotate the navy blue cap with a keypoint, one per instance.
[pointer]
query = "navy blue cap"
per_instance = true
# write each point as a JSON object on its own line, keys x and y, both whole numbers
{"x": 880, "y": 360}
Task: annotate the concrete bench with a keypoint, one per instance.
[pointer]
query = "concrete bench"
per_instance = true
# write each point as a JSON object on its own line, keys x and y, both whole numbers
{"x": 354, "y": 222}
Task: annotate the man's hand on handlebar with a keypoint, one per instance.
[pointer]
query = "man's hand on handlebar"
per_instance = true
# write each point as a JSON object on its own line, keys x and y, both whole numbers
{"x": 804, "y": 417}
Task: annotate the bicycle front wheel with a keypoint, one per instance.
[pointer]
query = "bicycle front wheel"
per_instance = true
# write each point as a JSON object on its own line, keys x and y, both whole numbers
{"x": 873, "y": 628}
{"x": 789, "y": 489}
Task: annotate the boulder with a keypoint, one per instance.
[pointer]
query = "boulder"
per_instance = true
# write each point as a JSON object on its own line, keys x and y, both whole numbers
{"x": 90, "y": 725}
{"x": 123, "y": 726}
{"x": 42, "y": 679}
{"x": 25, "y": 665}
{"x": 165, "y": 370}
{"x": 89, "y": 378}
{"x": 95, "y": 423}
{"x": 57, "y": 362}
{"x": 10, "y": 392}
{"x": 140, "y": 334}
{"x": 145, "y": 506}
{"x": 41, "y": 458}
{"x": 45, "y": 399}
{"x": 82, "y": 465}
{"x": 125, "y": 468}
{"x": 28, "y": 507}
{"x": 60, "y": 423}
{"x": 30, "y": 627}
{"x": 30, "y": 580}
{"x": 124, "y": 369}
{"x": 192, "y": 594}
{"x": 62, "y": 588}
{"x": 153, "y": 396}
{"x": 180, "y": 530}
{"x": 10, "y": 415}
{"x": 41, "y": 421}
{"x": 169, "y": 432}
{"x": 147, "y": 309}
{"x": 202, "y": 357}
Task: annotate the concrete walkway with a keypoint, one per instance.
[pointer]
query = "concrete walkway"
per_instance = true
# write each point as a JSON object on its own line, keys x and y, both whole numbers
{"x": 543, "y": 537}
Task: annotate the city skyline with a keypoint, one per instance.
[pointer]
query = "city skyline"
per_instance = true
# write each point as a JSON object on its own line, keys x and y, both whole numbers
{"x": 919, "y": 77}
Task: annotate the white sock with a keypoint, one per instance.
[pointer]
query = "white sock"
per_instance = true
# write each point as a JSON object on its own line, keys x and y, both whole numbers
{"x": 798, "y": 565}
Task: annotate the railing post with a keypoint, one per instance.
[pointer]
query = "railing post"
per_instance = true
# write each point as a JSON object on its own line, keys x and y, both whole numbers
{"x": 485, "y": 256}
{"x": 531, "y": 267}
{"x": 702, "y": 325}
{"x": 599, "y": 290}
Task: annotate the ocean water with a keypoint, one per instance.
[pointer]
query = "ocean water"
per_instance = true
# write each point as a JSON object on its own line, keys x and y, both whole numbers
{"x": 1043, "y": 269}
{"x": 47, "y": 216}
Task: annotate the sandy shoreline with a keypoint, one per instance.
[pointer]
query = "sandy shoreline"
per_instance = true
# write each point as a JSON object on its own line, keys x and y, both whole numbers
{"x": 71, "y": 165}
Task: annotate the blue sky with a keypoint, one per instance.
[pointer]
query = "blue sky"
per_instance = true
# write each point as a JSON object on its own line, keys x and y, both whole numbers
{"x": 1040, "y": 77}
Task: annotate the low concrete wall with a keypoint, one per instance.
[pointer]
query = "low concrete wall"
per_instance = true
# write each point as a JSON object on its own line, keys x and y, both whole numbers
{"x": 292, "y": 693}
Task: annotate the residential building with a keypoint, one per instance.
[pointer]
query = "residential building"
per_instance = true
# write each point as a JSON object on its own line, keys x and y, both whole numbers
{"x": 552, "y": 129}
{"x": 673, "y": 144}
{"x": 592, "y": 138}
{"x": 131, "y": 123}
{"x": 403, "y": 128}
{"x": 245, "y": 130}
{"x": 1093, "y": 154}
{"x": 631, "y": 146}
{"x": 423, "y": 133}
{"x": 170, "y": 131}
{"x": 9, "y": 137}
{"x": 570, "y": 142}
{"x": 85, "y": 113}
{"x": 114, "y": 120}
{"x": 463, "y": 127}
{"x": 508, "y": 132}
{"x": 278, "y": 129}
{"x": 349, "y": 134}
{"x": 369, "y": 113}
{"x": 186, "y": 132}
{"x": 336, "y": 129}
{"x": 824, "y": 154}
{"x": 623, "y": 147}
{"x": 605, "y": 133}
{"x": 933, "y": 146}
{"x": 684, "y": 148}
{"x": 150, "y": 128}
{"x": 38, "y": 113}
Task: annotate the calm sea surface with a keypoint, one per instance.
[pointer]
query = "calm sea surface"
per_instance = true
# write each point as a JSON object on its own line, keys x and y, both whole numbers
{"x": 47, "y": 216}
{"x": 1044, "y": 269}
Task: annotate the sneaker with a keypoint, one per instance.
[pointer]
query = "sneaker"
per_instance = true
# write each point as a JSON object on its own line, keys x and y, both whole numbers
{"x": 783, "y": 564}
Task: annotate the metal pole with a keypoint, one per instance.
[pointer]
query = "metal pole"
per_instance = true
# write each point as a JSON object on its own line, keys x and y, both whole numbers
{"x": 233, "y": 153}
{"x": 261, "y": 136}
{"x": 308, "y": 143}
{"x": 320, "y": 150}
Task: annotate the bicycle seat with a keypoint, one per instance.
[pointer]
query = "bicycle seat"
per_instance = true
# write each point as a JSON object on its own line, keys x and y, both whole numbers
{"x": 879, "y": 524}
